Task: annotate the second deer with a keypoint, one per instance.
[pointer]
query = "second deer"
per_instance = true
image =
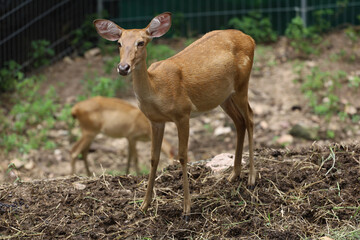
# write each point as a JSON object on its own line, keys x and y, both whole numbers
{"x": 114, "y": 118}
{"x": 212, "y": 71}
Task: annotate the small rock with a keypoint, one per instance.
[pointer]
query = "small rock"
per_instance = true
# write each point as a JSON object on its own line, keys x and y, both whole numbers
{"x": 221, "y": 162}
{"x": 29, "y": 165}
{"x": 300, "y": 131}
{"x": 92, "y": 53}
{"x": 310, "y": 64}
{"x": 259, "y": 109}
{"x": 18, "y": 163}
{"x": 285, "y": 139}
{"x": 79, "y": 186}
{"x": 349, "y": 109}
{"x": 58, "y": 155}
{"x": 325, "y": 238}
{"x": 264, "y": 125}
{"x": 68, "y": 60}
{"x": 222, "y": 130}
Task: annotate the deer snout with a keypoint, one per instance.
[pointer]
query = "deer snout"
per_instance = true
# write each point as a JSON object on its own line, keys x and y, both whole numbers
{"x": 123, "y": 69}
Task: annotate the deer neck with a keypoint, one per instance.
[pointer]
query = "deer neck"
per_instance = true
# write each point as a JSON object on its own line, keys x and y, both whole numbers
{"x": 142, "y": 83}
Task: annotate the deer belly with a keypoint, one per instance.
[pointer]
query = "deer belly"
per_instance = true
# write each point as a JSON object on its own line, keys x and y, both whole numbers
{"x": 211, "y": 96}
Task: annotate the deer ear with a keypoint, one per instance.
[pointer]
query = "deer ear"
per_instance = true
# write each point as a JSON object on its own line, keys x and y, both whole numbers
{"x": 107, "y": 29}
{"x": 159, "y": 25}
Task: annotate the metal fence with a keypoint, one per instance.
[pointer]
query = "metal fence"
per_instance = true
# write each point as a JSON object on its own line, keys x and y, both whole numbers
{"x": 25, "y": 21}
{"x": 199, "y": 16}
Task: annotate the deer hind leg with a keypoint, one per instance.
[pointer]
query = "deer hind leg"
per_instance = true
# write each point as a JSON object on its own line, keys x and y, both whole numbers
{"x": 81, "y": 146}
{"x": 231, "y": 109}
{"x": 183, "y": 135}
{"x": 132, "y": 156}
{"x": 84, "y": 154}
{"x": 156, "y": 140}
{"x": 242, "y": 104}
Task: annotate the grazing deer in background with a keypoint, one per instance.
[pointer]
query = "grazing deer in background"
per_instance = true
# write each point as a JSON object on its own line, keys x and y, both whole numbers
{"x": 114, "y": 118}
{"x": 212, "y": 71}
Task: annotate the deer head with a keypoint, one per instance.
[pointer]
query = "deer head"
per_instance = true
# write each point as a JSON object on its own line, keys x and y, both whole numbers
{"x": 132, "y": 43}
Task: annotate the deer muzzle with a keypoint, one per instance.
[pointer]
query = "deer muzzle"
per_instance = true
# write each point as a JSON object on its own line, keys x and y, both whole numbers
{"x": 123, "y": 69}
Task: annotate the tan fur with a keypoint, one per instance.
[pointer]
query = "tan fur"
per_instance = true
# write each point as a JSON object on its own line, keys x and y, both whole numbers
{"x": 114, "y": 118}
{"x": 212, "y": 71}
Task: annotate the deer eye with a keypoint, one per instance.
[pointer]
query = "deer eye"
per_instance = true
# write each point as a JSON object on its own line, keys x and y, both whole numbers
{"x": 140, "y": 43}
{"x": 119, "y": 44}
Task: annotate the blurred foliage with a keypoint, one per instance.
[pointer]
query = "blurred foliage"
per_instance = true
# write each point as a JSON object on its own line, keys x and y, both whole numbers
{"x": 321, "y": 88}
{"x": 30, "y": 118}
{"x": 158, "y": 52}
{"x": 101, "y": 86}
{"x": 302, "y": 39}
{"x": 10, "y": 75}
{"x": 41, "y": 53}
{"x": 258, "y": 27}
{"x": 86, "y": 36}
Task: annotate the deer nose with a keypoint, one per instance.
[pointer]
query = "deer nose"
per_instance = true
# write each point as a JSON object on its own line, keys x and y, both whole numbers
{"x": 123, "y": 69}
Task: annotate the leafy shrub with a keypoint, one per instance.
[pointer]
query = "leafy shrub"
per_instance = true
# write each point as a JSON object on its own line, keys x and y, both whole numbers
{"x": 103, "y": 86}
{"x": 158, "y": 52}
{"x": 86, "y": 37}
{"x": 321, "y": 23}
{"x": 320, "y": 88}
{"x": 257, "y": 26}
{"x": 31, "y": 117}
{"x": 10, "y": 75}
{"x": 41, "y": 53}
{"x": 302, "y": 39}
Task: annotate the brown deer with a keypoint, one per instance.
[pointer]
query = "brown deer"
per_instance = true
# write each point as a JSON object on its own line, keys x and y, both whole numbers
{"x": 212, "y": 71}
{"x": 114, "y": 118}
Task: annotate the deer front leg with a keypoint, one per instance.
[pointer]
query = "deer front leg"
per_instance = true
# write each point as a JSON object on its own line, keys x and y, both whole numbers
{"x": 157, "y": 134}
{"x": 183, "y": 134}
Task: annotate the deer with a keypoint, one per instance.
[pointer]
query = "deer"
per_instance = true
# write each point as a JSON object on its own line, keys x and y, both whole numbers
{"x": 212, "y": 71}
{"x": 114, "y": 118}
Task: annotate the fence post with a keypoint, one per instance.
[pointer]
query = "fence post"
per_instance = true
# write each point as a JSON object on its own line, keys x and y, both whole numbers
{"x": 99, "y": 8}
{"x": 303, "y": 11}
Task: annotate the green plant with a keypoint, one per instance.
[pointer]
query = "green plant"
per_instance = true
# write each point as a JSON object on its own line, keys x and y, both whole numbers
{"x": 302, "y": 39}
{"x": 41, "y": 52}
{"x": 322, "y": 24}
{"x": 32, "y": 117}
{"x": 189, "y": 41}
{"x": 111, "y": 63}
{"x": 12, "y": 167}
{"x": 86, "y": 37}
{"x": 103, "y": 86}
{"x": 257, "y": 26}
{"x": 65, "y": 116}
{"x": 158, "y": 52}
{"x": 352, "y": 34}
{"x": 320, "y": 88}
{"x": 354, "y": 81}
{"x": 10, "y": 75}
{"x": 177, "y": 24}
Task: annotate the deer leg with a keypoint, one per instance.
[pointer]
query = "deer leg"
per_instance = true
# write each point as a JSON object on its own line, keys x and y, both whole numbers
{"x": 84, "y": 155}
{"x": 250, "y": 129}
{"x": 75, "y": 151}
{"x": 183, "y": 134}
{"x": 244, "y": 108}
{"x": 81, "y": 146}
{"x": 230, "y": 108}
{"x": 132, "y": 156}
{"x": 157, "y": 134}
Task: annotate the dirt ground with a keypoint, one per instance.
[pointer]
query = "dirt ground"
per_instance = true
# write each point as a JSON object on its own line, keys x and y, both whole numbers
{"x": 306, "y": 189}
{"x": 298, "y": 194}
